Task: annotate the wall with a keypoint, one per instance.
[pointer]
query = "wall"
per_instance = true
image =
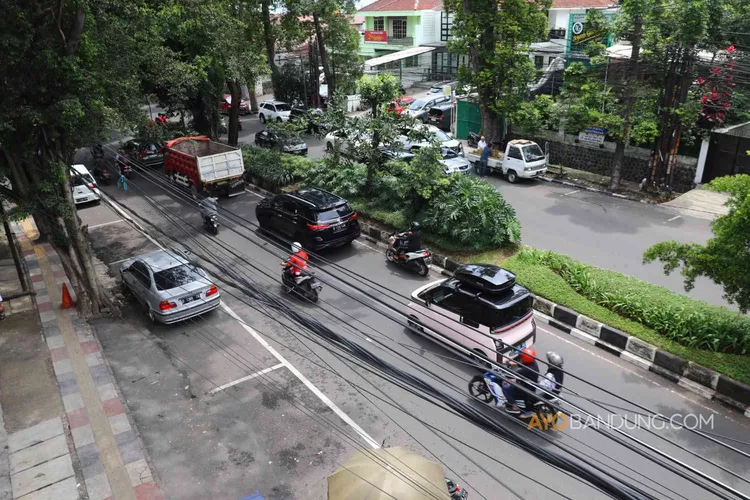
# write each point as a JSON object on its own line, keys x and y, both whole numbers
{"x": 591, "y": 158}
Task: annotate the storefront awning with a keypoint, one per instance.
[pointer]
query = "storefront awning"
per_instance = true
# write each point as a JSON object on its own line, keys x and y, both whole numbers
{"x": 397, "y": 56}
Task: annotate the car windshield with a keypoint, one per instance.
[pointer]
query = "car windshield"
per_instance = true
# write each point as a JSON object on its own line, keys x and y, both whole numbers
{"x": 417, "y": 105}
{"x": 283, "y": 107}
{"x": 174, "y": 277}
{"x": 82, "y": 179}
{"x": 334, "y": 213}
{"x": 533, "y": 153}
{"x": 441, "y": 136}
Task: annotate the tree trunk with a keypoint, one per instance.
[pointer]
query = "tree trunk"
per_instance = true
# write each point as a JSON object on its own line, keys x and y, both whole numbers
{"x": 233, "y": 133}
{"x": 270, "y": 41}
{"x": 324, "y": 56}
{"x": 253, "y": 98}
{"x": 630, "y": 89}
{"x": 489, "y": 124}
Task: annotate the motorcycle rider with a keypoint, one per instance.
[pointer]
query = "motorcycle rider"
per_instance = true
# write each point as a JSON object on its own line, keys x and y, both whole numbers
{"x": 553, "y": 379}
{"x": 527, "y": 371}
{"x": 208, "y": 207}
{"x": 297, "y": 261}
{"x": 411, "y": 240}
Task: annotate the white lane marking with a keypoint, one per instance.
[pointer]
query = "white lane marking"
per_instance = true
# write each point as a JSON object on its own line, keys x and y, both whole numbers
{"x": 674, "y": 218}
{"x": 253, "y": 192}
{"x": 343, "y": 416}
{"x": 635, "y": 373}
{"x": 572, "y": 192}
{"x": 124, "y": 215}
{"x": 106, "y": 223}
{"x": 245, "y": 379}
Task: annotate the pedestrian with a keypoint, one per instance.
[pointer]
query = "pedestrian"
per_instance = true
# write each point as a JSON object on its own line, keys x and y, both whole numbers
{"x": 2, "y": 308}
{"x": 482, "y": 143}
{"x": 486, "y": 152}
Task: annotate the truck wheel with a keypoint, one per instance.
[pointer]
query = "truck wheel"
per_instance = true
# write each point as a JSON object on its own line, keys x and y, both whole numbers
{"x": 476, "y": 168}
{"x": 329, "y": 146}
{"x": 262, "y": 118}
{"x": 278, "y": 119}
{"x": 512, "y": 176}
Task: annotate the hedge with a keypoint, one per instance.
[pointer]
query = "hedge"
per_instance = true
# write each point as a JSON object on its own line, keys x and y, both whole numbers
{"x": 272, "y": 169}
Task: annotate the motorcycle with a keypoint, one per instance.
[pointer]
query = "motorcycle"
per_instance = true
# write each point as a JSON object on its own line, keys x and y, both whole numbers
{"x": 303, "y": 285}
{"x": 211, "y": 223}
{"x": 102, "y": 175}
{"x": 418, "y": 261}
{"x": 456, "y": 492}
{"x": 473, "y": 140}
{"x": 486, "y": 388}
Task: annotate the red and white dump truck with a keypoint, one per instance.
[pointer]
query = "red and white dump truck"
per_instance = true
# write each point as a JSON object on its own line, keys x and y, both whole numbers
{"x": 205, "y": 167}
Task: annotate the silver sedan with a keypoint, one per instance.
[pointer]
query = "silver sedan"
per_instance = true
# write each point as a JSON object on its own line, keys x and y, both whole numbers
{"x": 171, "y": 288}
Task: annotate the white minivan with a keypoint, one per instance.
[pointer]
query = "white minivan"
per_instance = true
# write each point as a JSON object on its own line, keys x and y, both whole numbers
{"x": 83, "y": 185}
{"x": 480, "y": 311}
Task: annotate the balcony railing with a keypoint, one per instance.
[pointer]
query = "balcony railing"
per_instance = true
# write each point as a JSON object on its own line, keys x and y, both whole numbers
{"x": 557, "y": 34}
{"x": 408, "y": 40}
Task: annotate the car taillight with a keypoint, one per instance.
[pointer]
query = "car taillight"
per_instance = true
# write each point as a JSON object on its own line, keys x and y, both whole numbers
{"x": 165, "y": 305}
{"x": 161, "y": 150}
{"x": 142, "y": 153}
{"x": 426, "y": 254}
{"x": 353, "y": 216}
{"x": 212, "y": 291}
{"x": 91, "y": 185}
{"x": 317, "y": 227}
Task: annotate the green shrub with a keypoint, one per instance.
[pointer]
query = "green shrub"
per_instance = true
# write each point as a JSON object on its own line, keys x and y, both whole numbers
{"x": 737, "y": 185}
{"x": 474, "y": 214}
{"x": 690, "y": 322}
{"x": 345, "y": 179}
{"x": 267, "y": 168}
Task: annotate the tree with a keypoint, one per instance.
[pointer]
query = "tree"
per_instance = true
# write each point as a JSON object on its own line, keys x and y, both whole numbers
{"x": 495, "y": 36}
{"x": 70, "y": 71}
{"x": 725, "y": 258}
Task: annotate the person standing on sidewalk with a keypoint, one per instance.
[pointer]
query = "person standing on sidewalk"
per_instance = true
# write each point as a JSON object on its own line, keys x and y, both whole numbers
{"x": 486, "y": 152}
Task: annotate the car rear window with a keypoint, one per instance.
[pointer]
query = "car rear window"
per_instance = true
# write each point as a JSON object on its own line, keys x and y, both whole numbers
{"x": 82, "y": 179}
{"x": 174, "y": 277}
{"x": 334, "y": 213}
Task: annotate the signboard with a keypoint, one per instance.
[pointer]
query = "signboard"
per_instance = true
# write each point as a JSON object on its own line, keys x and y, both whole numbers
{"x": 593, "y": 135}
{"x": 376, "y": 36}
{"x": 579, "y": 36}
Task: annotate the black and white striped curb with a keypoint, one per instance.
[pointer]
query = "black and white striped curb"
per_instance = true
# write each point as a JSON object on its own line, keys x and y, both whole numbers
{"x": 687, "y": 374}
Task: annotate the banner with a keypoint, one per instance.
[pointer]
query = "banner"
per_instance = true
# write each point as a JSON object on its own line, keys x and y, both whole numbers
{"x": 593, "y": 135}
{"x": 376, "y": 36}
{"x": 579, "y": 36}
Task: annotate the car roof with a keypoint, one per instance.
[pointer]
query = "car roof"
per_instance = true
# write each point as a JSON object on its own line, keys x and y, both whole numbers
{"x": 159, "y": 260}
{"x": 318, "y": 198}
{"x": 522, "y": 142}
{"x": 81, "y": 169}
{"x": 273, "y": 102}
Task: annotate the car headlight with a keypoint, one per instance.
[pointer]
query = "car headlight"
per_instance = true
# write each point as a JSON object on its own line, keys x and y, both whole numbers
{"x": 527, "y": 168}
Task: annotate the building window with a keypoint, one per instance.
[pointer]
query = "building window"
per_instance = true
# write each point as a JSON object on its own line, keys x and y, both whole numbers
{"x": 399, "y": 28}
{"x": 539, "y": 62}
{"x": 378, "y": 24}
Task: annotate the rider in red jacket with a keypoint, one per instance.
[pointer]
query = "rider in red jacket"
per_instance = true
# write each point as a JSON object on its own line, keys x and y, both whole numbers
{"x": 298, "y": 260}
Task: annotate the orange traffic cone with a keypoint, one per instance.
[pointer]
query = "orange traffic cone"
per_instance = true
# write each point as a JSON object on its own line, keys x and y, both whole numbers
{"x": 67, "y": 302}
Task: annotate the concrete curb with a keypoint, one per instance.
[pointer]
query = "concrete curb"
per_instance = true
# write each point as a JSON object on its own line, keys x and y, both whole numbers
{"x": 696, "y": 378}
{"x": 593, "y": 190}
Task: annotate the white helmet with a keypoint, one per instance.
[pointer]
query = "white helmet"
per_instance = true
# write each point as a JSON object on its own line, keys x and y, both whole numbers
{"x": 296, "y": 247}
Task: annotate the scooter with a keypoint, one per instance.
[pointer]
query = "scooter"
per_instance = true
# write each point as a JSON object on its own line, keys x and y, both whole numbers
{"x": 211, "y": 223}
{"x": 102, "y": 175}
{"x": 303, "y": 285}
{"x": 486, "y": 388}
{"x": 455, "y": 491}
{"x": 473, "y": 140}
{"x": 418, "y": 261}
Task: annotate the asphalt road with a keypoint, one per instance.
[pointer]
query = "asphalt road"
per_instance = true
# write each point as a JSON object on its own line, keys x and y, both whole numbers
{"x": 283, "y": 432}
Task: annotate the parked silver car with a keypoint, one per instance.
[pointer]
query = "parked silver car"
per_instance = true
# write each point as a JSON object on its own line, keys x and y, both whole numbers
{"x": 171, "y": 288}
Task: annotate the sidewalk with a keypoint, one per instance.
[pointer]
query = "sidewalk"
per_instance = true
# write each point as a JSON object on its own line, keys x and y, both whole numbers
{"x": 81, "y": 443}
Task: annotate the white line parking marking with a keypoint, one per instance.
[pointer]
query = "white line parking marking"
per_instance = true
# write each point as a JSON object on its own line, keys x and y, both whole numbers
{"x": 572, "y": 192}
{"x": 343, "y": 416}
{"x": 244, "y": 379}
{"x": 106, "y": 223}
{"x": 674, "y": 218}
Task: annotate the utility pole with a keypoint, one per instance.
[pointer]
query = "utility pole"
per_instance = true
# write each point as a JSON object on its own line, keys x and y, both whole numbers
{"x": 632, "y": 77}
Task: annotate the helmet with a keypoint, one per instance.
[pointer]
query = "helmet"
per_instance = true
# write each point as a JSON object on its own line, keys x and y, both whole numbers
{"x": 296, "y": 247}
{"x": 528, "y": 355}
{"x": 415, "y": 226}
{"x": 554, "y": 359}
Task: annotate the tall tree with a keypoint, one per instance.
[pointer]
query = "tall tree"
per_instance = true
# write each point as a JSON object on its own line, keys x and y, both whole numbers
{"x": 58, "y": 96}
{"x": 495, "y": 36}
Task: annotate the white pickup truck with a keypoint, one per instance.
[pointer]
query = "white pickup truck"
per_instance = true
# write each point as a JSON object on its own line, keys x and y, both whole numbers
{"x": 522, "y": 160}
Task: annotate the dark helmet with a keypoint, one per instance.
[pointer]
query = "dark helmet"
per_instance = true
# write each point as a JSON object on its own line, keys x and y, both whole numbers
{"x": 415, "y": 226}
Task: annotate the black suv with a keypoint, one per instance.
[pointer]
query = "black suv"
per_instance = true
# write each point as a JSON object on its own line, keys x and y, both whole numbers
{"x": 315, "y": 218}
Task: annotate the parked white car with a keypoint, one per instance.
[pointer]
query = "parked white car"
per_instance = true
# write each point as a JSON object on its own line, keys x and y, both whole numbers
{"x": 83, "y": 185}
{"x": 346, "y": 144}
{"x": 430, "y": 134}
{"x": 274, "y": 111}
{"x": 480, "y": 312}
{"x": 420, "y": 107}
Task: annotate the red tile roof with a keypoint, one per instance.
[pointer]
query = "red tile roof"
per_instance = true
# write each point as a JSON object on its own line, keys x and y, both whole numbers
{"x": 582, "y": 4}
{"x": 402, "y": 5}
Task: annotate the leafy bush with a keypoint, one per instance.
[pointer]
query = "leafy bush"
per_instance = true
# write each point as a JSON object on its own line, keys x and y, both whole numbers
{"x": 346, "y": 179}
{"x": 267, "y": 168}
{"x": 473, "y": 213}
{"x": 737, "y": 185}
{"x": 690, "y": 322}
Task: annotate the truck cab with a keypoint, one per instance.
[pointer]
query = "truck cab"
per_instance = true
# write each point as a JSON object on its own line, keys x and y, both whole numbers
{"x": 524, "y": 159}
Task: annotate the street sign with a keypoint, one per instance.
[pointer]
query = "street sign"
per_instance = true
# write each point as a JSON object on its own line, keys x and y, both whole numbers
{"x": 593, "y": 135}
